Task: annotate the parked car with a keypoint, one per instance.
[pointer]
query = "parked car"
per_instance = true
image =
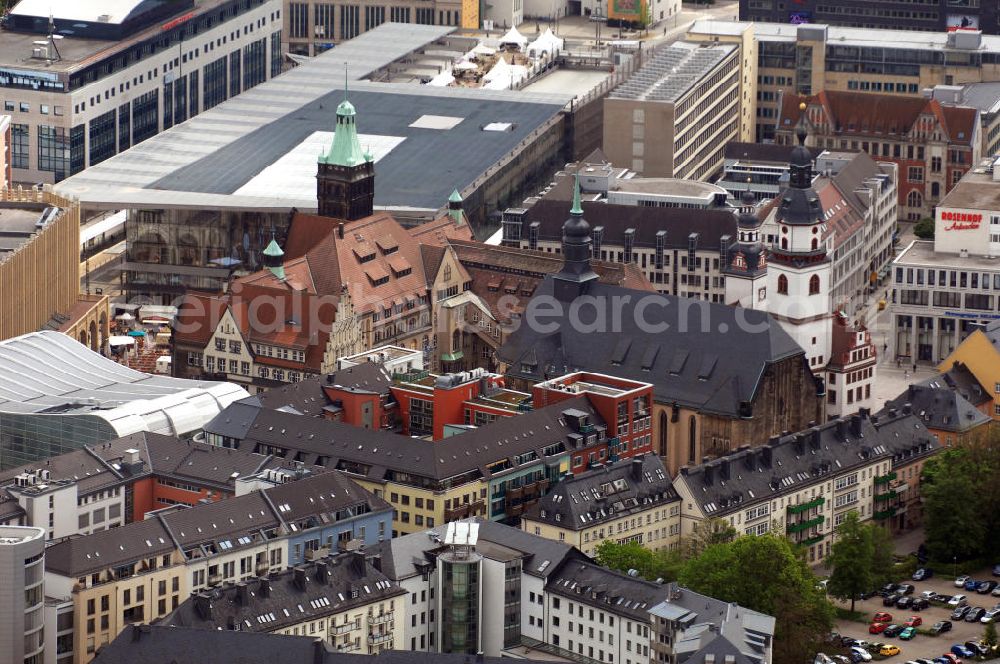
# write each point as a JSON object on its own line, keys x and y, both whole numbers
{"x": 868, "y": 594}
{"x": 877, "y": 627}
{"x": 847, "y": 641}
{"x": 908, "y": 633}
{"x": 874, "y": 646}
{"x": 985, "y": 587}
{"x": 996, "y": 592}
{"x": 974, "y": 614}
{"x": 882, "y": 617}
{"x": 888, "y": 650}
{"x": 887, "y": 589}
{"x": 941, "y": 626}
{"x": 859, "y": 654}
{"x": 980, "y": 649}
{"x": 992, "y": 615}
{"x": 904, "y": 602}
{"x": 960, "y": 581}
{"x": 892, "y": 630}
{"x": 919, "y": 604}
{"x": 925, "y": 661}
{"x": 890, "y": 600}
{"x": 928, "y": 594}
{"x": 914, "y": 621}
{"x": 996, "y": 570}
{"x": 942, "y": 598}
{"x": 959, "y": 612}
{"x": 922, "y": 574}
{"x": 971, "y": 584}
{"x": 905, "y": 588}
{"x": 941, "y": 660}
{"x": 962, "y": 651}
{"x": 958, "y": 600}
{"x": 952, "y": 658}
{"x": 841, "y": 659}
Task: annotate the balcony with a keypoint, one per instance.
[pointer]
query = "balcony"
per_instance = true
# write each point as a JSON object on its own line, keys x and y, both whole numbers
{"x": 214, "y": 579}
{"x": 885, "y": 496}
{"x": 805, "y": 525}
{"x": 261, "y": 569}
{"x": 812, "y": 540}
{"x": 380, "y": 619}
{"x": 348, "y": 647}
{"x": 885, "y": 479}
{"x": 885, "y": 514}
{"x": 377, "y": 639}
{"x": 347, "y": 627}
{"x": 805, "y": 507}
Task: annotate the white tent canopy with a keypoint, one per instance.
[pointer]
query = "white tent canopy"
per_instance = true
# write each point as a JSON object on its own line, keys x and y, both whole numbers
{"x": 465, "y": 65}
{"x": 547, "y": 42}
{"x": 514, "y": 37}
{"x": 442, "y": 80}
{"x": 121, "y": 341}
{"x": 482, "y": 49}
{"x": 504, "y": 76}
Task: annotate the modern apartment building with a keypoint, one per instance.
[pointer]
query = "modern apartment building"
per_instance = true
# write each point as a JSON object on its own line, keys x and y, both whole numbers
{"x": 314, "y": 26}
{"x": 142, "y": 571}
{"x": 807, "y": 59}
{"x": 85, "y": 81}
{"x": 930, "y": 15}
{"x": 628, "y": 501}
{"x": 22, "y": 594}
{"x": 342, "y": 600}
{"x": 947, "y": 288}
{"x": 673, "y": 116}
{"x": 933, "y": 145}
{"x": 806, "y": 483}
{"x": 537, "y": 596}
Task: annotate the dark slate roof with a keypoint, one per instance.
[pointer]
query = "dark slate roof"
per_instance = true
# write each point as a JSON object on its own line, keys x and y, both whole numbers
{"x": 763, "y": 152}
{"x": 159, "y": 644}
{"x": 206, "y": 527}
{"x": 616, "y": 592}
{"x": 695, "y": 366}
{"x": 305, "y": 397}
{"x": 459, "y": 155}
{"x": 939, "y": 407}
{"x": 338, "y": 445}
{"x": 366, "y": 377}
{"x": 401, "y": 556}
{"x": 679, "y": 223}
{"x": 786, "y": 463}
{"x": 963, "y": 381}
{"x": 314, "y": 590}
{"x": 606, "y": 493}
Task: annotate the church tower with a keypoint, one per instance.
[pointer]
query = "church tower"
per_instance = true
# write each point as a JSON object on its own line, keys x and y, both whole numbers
{"x": 746, "y": 259}
{"x": 345, "y": 176}
{"x": 798, "y": 274}
{"x": 571, "y": 281}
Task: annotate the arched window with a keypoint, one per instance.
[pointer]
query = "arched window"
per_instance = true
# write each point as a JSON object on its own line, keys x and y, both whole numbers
{"x": 782, "y": 284}
{"x": 914, "y": 199}
{"x": 815, "y": 243}
{"x": 692, "y": 439}
{"x": 662, "y": 441}
{"x": 814, "y": 284}
{"x": 784, "y": 243}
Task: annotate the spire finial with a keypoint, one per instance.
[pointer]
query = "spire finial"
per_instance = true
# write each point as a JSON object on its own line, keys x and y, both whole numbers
{"x": 345, "y": 81}
{"x": 577, "y": 208}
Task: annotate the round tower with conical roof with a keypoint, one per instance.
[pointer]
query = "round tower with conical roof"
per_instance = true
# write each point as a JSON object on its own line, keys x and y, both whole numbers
{"x": 274, "y": 258}
{"x": 746, "y": 259}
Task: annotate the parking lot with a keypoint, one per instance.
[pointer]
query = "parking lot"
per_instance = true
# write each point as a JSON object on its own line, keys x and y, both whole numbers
{"x": 922, "y": 646}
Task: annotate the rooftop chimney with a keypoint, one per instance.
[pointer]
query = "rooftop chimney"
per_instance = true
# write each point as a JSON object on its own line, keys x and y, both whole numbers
{"x": 724, "y": 468}
{"x": 709, "y": 474}
{"x": 243, "y": 593}
{"x": 637, "y": 468}
{"x": 907, "y": 408}
{"x": 856, "y": 425}
{"x": 203, "y": 606}
{"x": 264, "y": 587}
{"x": 299, "y": 578}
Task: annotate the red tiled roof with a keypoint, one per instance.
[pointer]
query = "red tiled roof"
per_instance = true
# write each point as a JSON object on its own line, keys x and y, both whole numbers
{"x": 879, "y": 114}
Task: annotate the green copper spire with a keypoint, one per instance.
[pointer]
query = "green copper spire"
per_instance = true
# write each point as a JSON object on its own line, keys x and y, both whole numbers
{"x": 273, "y": 259}
{"x": 455, "y": 207}
{"x": 577, "y": 208}
{"x": 345, "y": 149}
{"x": 455, "y": 197}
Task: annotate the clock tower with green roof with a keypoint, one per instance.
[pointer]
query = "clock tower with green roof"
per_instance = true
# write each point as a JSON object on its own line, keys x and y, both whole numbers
{"x": 345, "y": 174}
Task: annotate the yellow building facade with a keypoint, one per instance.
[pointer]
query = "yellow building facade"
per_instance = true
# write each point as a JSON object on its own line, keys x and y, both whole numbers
{"x": 982, "y": 358}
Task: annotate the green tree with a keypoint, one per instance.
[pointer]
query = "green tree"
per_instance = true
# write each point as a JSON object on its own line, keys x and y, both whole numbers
{"x": 851, "y": 559}
{"x": 765, "y": 573}
{"x": 924, "y": 229}
{"x": 953, "y": 504}
{"x": 651, "y": 565}
{"x": 707, "y": 533}
{"x": 990, "y": 636}
{"x": 882, "y": 552}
